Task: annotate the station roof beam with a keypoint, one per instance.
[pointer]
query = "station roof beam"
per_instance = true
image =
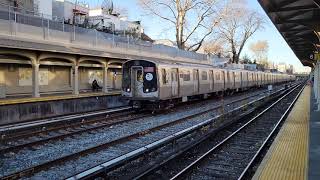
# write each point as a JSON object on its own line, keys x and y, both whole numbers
{"x": 298, "y": 21}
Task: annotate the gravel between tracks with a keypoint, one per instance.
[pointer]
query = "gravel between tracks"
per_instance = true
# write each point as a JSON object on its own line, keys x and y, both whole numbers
{"x": 12, "y": 162}
{"x": 229, "y": 160}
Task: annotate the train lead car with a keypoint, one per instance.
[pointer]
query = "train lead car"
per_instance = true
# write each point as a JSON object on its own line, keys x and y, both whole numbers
{"x": 159, "y": 84}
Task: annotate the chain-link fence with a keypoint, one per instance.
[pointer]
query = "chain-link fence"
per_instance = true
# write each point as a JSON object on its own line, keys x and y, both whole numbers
{"x": 27, "y": 24}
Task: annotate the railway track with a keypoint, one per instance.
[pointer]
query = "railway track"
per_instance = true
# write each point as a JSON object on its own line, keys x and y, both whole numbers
{"x": 15, "y": 140}
{"x": 231, "y": 154}
{"x": 139, "y": 135}
{"x": 20, "y": 130}
{"x": 18, "y": 142}
{"x": 158, "y": 140}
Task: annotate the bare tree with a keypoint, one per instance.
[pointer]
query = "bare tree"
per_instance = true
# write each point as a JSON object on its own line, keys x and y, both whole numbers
{"x": 215, "y": 47}
{"x": 260, "y": 50}
{"x": 192, "y": 19}
{"x": 246, "y": 59}
{"x": 238, "y": 25}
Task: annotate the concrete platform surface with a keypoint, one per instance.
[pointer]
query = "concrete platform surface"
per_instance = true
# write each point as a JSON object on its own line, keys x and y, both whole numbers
{"x": 29, "y": 109}
{"x": 287, "y": 157}
{"x": 11, "y": 101}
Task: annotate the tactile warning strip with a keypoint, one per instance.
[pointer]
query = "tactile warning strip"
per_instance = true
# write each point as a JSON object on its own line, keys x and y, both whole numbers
{"x": 287, "y": 157}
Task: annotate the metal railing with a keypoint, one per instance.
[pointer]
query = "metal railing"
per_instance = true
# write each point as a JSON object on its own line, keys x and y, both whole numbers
{"x": 23, "y": 23}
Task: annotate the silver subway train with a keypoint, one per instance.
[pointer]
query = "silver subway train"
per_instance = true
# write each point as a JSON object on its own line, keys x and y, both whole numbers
{"x": 158, "y": 84}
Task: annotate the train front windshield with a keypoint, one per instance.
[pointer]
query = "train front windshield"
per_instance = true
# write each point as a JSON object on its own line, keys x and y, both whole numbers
{"x": 139, "y": 71}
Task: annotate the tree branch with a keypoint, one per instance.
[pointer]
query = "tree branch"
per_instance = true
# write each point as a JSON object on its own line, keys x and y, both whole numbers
{"x": 199, "y": 44}
{"x": 174, "y": 14}
{"x": 157, "y": 14}
{"x": 203, "y": 16}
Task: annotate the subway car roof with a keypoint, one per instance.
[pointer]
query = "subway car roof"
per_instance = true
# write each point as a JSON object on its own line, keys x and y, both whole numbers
{"x": 188, "y": 64}
{"x": 178, "y": 63}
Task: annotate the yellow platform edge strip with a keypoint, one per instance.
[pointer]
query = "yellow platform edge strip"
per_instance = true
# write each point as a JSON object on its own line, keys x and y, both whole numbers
{"x": 287, "y": 157}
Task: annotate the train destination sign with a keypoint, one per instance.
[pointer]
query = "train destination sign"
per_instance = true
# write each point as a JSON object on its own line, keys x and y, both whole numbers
{"x": 148, "y": 69}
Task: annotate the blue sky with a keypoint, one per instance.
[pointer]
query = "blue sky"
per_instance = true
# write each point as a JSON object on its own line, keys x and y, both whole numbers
{"x": 279, "y": 51}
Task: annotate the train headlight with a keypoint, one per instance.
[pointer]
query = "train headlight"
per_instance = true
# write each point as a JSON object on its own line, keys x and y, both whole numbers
{"x": 147, "y": 90}
{"x": 128, "y": 90}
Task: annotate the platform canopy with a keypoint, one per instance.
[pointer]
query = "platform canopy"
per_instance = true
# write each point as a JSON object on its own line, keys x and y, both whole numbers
{"x": 298, "y": 21}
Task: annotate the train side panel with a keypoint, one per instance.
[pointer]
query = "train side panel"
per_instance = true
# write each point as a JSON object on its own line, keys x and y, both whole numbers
{"x": 244, "y": 79}
{"x": 164, "y": 82}
{"x": 218, "y": 80}
{"x": 204, "y": 85}
{"x": 237, "y": 79}
{"x": 186, "y": 83}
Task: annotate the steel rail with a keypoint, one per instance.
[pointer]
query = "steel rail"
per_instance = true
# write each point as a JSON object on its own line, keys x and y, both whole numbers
{"x": 198, "y": 160}
{"x": 157, "y": 165}
{"x": 133, "y": 154}
{"x": 39, "y": 167}
{"x": 69, "y": 133}
{"x": 82, "y": 130}
{"x": 45, "y": 165}
{"x": 50, "y": 121}
{"x": 286, "y": 113}
{"x": 58, "y": 119}
{"x": 73, "y": 124}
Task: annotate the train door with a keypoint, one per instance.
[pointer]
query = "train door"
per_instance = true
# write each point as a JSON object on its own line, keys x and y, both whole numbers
{"x": 196, "y": 80}
{"x": 248, "y": 80}
{"x": 234, "y": 80}
{"x": 253, "y": 79}
{"x": 224, "y": 80}
{"x": 137, "y": 81}
{"x": 241, "y": 80}
{"x": 211, "y": 80}
{"x": 228, "y": 81}
{"x": 174, "y": 82}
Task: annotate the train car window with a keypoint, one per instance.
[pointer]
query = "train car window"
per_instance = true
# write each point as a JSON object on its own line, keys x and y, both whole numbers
{"x": 195, "y": 75}
{"x": 204, "y": 75}
{"x": 210, "y": 75}
{"x": 126, "y": 77}
{"x": 139, "y": 76}
{"x": 164, "y": 76}
{"x": 218, "y": 76}
{"x": 181, "y": 75}
{"x": 223, "y": 76}
{"x": 186, "y": 76}
{"x": 173, "y": 76}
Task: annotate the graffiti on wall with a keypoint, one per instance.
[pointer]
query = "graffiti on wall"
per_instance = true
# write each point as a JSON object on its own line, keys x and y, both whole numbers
{"x": 96, "y": 75}
{"x": 25, "y": 76}
{"x": 44, "y": 77}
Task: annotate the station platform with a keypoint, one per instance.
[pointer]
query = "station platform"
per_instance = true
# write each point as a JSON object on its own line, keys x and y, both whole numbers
{"x": 290, "y": 155}
{"x": 20, "y": 110}
{"x": 43, "y": 98}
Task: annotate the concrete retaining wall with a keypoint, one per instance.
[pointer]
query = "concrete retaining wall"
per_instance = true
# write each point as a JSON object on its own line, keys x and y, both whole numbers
{"x": 29, "y": 111}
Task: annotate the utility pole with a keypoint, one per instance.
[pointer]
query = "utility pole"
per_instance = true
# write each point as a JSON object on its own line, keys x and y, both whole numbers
{"x": 74, "y": 12}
